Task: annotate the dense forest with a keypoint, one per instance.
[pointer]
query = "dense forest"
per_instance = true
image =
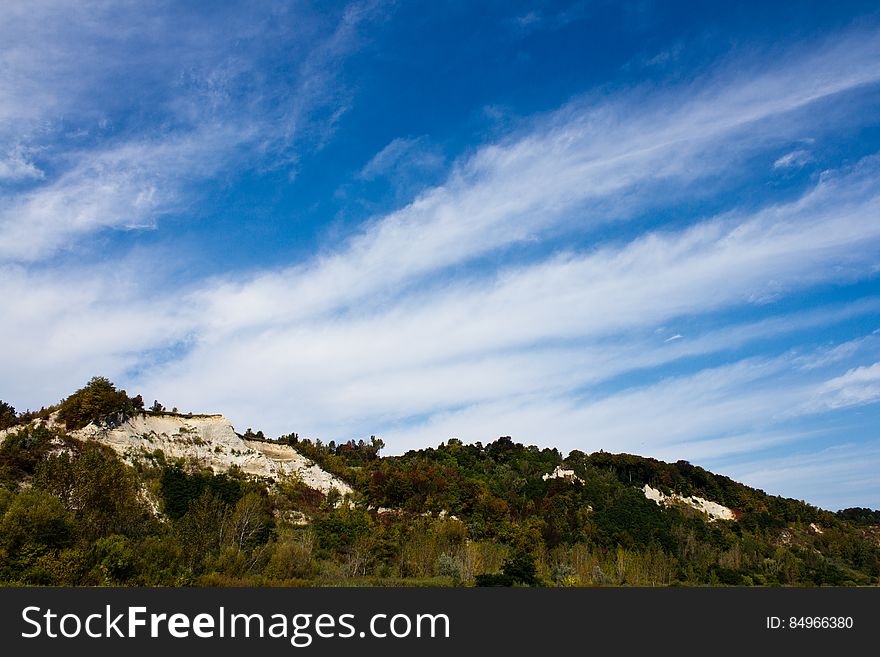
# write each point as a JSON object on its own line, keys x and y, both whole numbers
{"x": 72, "y": 512}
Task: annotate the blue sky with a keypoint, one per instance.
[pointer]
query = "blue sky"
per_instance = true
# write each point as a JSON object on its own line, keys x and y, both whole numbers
{"x": 642, "y": 227}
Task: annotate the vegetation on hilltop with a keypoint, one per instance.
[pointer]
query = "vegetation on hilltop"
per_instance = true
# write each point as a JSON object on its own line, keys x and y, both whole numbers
{"x": 98, "y": 399}
{"x": 73, "y": 513}
{"x": 8, "y": 416}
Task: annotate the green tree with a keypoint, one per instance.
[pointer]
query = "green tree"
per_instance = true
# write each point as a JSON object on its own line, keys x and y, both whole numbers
{"x": 115, "y": 558}
{"x": 98, "y": 488}
{"x": 7, "y": 415}
{"x": 202, "y": 530}
{"x": 34, "y": 525}
{"x": 250, "y": 522}
{"x": 21, "y": 452}
{"x": 97, "y": 400}
{"x": 520, "y": 567}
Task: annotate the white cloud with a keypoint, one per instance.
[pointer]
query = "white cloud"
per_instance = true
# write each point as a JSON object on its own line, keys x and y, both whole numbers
{"x": 719, "y": 262}
{"x": 400, "y": 156}
{"x": 126, "y": 186}
{"x": 60, "y": 328}
{"x": 858, "y": 386}
{"x": 476, "y": 343}
{"x": 16, "y": 166}
{"x": 390, "y": 332}
{"x": 74, "y": 82}
{"x": 840, "y": 352}
{"x": 536, "y": 20}
{"x": 792, "y": 160}
{"x": 577, "y": 170}
{"x": 835, "y": 477}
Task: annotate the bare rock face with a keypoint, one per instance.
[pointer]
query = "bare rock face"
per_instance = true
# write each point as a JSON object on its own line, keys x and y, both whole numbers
{"x": 211, "y": 441}
{"x": 714, "y": 510}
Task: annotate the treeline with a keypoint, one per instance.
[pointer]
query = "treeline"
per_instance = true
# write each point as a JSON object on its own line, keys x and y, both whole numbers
{"x": 600, "y": 528}
{"x": 96, "y": 401}
{"x": 343, "y": 459}
{"x": 73, "y": 513}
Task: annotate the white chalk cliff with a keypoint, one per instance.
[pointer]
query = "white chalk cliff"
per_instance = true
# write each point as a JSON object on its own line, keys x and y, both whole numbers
{"x": 714, "y": 510}
{"x": 211, "y": 441}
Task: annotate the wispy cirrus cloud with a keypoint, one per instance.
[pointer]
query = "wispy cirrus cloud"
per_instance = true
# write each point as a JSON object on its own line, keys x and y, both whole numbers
{"x": 17, "y": 165}
{"x": 399, "y": 156}
{"x": 793, "y": 160}
{"x": 858, "y": 386}
{"x": 495, "y": 301}
{"x": 125, "y": 186}
{"x": 577, "y": 169}
{"x": 76, "y": 84}
{"x": 842, "y": 475}
{"x": 552, "y": 327}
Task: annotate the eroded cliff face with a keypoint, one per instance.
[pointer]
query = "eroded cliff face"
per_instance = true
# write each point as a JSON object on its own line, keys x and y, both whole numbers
{"x": 212, "y": 441}
{"x": 714, "y": 510}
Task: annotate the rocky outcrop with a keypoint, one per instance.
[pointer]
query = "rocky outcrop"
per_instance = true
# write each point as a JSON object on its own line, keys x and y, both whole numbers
{"x": 714, "y": 510}
{"x": 210, "y": 440}
{"x": 561, "y": 473}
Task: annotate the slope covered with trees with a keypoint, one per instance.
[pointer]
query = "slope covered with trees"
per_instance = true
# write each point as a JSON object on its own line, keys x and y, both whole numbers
{"x": 73, "y": 513}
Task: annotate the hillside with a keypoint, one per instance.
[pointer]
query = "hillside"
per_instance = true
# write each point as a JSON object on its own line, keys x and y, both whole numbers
{"x": 98, "y": 490}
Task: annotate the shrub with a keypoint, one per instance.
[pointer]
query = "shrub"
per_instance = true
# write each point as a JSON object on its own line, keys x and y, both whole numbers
{"x": 521, "y": 568}
{"x": 564, "y": 574}
{"x": 449, "y": 566}
{"x": 487, "y": 579}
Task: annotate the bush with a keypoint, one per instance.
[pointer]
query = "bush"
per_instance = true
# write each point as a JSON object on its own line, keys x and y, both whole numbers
{"x": 292, "y": 556}
{"x": 449, "y": 566}
{"x": 115, "y": 558}
{"x": 35, "y": 525}
{"x": 521, "y": 568}
{"x": 564, "y": 574}
{"x": 487, "y": 579}
{"x": 21, "y": 452}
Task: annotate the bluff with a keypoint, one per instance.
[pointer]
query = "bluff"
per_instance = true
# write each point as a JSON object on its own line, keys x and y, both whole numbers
{"x": 209, "y": 440}
{"x": 99, "y": 490}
